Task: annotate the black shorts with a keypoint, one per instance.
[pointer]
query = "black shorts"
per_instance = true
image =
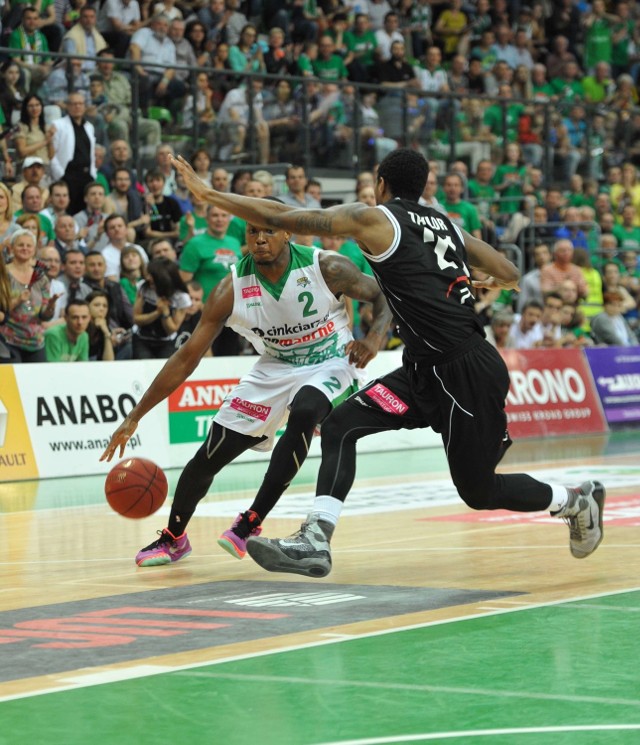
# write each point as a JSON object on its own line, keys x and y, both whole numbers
{"x": 462, "y": 399}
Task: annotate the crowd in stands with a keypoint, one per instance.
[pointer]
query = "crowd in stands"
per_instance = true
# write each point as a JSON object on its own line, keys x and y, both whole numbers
{"x": 529, "y": 117}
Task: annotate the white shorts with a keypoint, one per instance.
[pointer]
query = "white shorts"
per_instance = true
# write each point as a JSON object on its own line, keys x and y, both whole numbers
{"x": 259, "y": 405}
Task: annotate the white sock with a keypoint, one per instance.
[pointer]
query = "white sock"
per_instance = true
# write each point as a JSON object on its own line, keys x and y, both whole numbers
{"x": 559, "y": 497}
{"x": 327, "y": 508}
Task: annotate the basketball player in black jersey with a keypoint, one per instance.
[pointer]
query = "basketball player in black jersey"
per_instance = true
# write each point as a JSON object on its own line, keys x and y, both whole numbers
{"x": 451, "y": 379}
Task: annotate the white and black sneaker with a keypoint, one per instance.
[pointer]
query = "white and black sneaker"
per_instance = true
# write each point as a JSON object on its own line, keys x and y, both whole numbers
{"x": 583, "y": 514}
{"x": 306, "y": 552}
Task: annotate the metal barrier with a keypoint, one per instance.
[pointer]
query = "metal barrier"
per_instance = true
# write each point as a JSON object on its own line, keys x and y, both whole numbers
{"x": 514, "y": 252}
{"x": 394, "y": 109}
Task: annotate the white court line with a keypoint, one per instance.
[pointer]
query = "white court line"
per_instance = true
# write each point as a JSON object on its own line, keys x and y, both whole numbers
{"x": 420, "y": 688}
{"x": 107, "y": 676}
{"x": 375, "y": 550}
{"x": 485, "y": 733}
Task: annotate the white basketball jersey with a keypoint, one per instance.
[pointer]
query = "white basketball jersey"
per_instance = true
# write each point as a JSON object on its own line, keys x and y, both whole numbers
{"x": 298, "y": 320}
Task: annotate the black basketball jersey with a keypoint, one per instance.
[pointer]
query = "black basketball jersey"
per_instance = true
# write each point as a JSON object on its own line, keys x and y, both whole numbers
{"x": 426, "y": 280}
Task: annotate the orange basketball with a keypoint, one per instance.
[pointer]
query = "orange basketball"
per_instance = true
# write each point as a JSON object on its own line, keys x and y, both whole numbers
{"x": 136, "y": 487}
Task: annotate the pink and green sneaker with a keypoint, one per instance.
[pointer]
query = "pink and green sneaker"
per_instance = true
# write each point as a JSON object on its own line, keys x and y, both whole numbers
{"x": 234, "y": 540}
{"x": 165, "y": 550}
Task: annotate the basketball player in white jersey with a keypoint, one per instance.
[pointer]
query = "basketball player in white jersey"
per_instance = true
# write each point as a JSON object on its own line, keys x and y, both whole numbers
{"x": 288, "y": 301}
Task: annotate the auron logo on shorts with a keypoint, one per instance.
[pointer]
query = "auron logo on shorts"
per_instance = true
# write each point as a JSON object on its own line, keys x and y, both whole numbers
{"x": 386, "y": 399}
{"x": 257, "y": 411}
{"x": 253, "y": 291}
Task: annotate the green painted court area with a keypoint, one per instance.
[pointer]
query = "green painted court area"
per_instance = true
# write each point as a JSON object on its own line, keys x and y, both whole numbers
{"x": 558, "y": 674}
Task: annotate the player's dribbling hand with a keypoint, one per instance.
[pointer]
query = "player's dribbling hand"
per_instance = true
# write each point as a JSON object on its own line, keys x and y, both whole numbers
{"x": 119, "y": 439}
{"x": 360, "y": 352}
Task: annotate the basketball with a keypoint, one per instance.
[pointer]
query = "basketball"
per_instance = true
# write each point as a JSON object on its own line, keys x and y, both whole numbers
{"x": 136, "y": 487}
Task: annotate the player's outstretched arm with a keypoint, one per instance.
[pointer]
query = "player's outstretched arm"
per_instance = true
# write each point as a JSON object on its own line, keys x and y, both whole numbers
{"x": 369, "y": 226}
{"x": 343, "y": 277}
{"x": 502, "y": 272}
{"x": 179, "y": 366}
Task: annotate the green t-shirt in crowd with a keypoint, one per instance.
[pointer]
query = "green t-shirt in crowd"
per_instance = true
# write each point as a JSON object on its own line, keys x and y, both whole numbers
{"x": 493, "y": 120}
{"x": 567, "y": 91}
{"x": 598, "y": 46}
{"x": 464, "y": 215}
{"x": 484, "y": 196}
{"x": 363, "y": 44}
{"x": 36, "y": 41}
{"x": 513, "y": 193}
{"x": 351, "y": 251}
{"x": 594, "y": 91}
{"x": 199, "y": 227}
{"x": 628, "y": 238}
{"x": 46, "y": 226}
{"x": 102, "y": 180}
{"x": 331, "y": 69}
{"x": 542, "y": 92}
{"x": 59, "y": 348}
{"x": 620, "y": 56}
{"x": 209, "y": 259}
{"x": 238, "y": 229}
{"x": 130, "y": 288}
{"x": 579, "y": 200}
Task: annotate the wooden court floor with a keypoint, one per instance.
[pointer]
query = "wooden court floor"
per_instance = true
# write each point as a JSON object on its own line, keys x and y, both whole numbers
{"x": 437, "y": 624}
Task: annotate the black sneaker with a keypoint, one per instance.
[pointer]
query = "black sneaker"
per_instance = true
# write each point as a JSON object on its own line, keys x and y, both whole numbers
{"x": 306, "y": 552}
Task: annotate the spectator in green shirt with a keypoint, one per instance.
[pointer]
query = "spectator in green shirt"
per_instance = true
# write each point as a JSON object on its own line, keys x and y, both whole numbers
{"x": 69, "y": 342}
{"x": 624, "y": 37}
{"x": 506, "y": 130}
{"x": 483, "y": 194}
{"x": 599, "y": 25}
{"x": 509, "y": 180}
{"x": 599, "y": 87}
{"x": 460, "y": 212}
{"x": 329, "y": 67}
{"x": 540, "y": 87}
{"x": 361, "y": 44}
{"x": 627, "y": 233}
{"x": 208, "y": 257}
{"x": 26, "y": 37}
{"x": 568, "y": 87}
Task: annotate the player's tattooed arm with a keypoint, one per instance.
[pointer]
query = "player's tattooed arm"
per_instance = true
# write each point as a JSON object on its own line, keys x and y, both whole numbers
{"x": 344, "y": 278}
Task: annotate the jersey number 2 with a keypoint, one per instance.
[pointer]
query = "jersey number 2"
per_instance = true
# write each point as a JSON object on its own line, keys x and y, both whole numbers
{"x": 308, "y": 310}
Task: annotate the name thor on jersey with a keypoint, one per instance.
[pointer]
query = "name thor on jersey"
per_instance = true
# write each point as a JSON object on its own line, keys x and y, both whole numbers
{"x": 435, "y": 223}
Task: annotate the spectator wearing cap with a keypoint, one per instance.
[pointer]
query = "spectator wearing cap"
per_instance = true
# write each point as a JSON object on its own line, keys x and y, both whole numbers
{"x": 32, "y": 175}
